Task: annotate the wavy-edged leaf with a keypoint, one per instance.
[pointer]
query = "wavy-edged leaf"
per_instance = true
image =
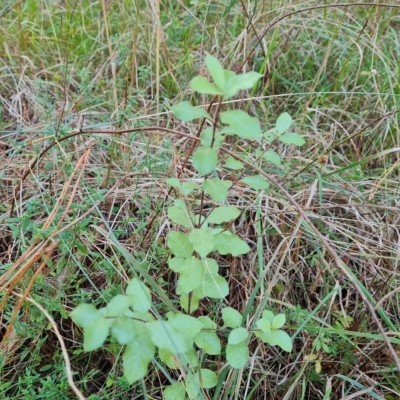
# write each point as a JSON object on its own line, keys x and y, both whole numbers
{"x": 179, "y": 216}
{"x": 227, "y": 243}
{"x": 176, "y": 391}
{"x": 223, "y": 214}
{"x": 140, "y": 295}
{"x": 179, "y": 244}
{"x": 231, "y": 317}
{"x": 237, "y": 354}
{"x": 205, "y": 160}
{"x": 231, "y": 163}
{"x": 283, "y": 123}
{"x": 202, "y": 241}
{"x": 256, "y": 182}
{"x": 186, "y": 112}
{"x": 217, "y": 189}
{"x": 238, "y": 335}
{"x": 84, "y": 314}
{"x": 216, "y": 71}
{"x": 136, "y": 359}
{"x": 271, "y": 156}
{"x": 241, "y": 124}
{"x": 201, "y": 85}
{"x": 292, "y": 138}
{"x": 95, "y": 333}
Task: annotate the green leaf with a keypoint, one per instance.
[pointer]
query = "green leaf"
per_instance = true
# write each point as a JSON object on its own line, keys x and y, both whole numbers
{"x": 176, "y": 391}
{"x": 140, "y": 295}
{"x": 84, "y": 314}
{"x": 223, "y": 214}
{"x": 123, "y": 329}
{"x": 237, "y": 354}
{"x": 208, "y": 341}
{"x": 176, "y": 264}
{"x": 180, "y": 244}
{"x": 207, "y": 138}
{"x": 185, "y": 324}
{"x": 180, "y": 216}
{"x": 212, "y": 284}
{"x": 189, "y": 187}
{"x": 256, "y": 182}
{"x": 231, "y": 317}
{"x": 95, "y": 333}
{"x": 179, "y": 203}
{"x": 201, "y": 85}
{"x": 283, "y": 123}
{"x": 136, "y": 359}
{"x": 208, "y": 379}
{"x": 234, "y": 83}
{"x": 242, "y": 124}
{"x": 194, "y": 302}
{"x": 191, "y": 275}
{"x": 272, "y": 157}
{"x": 269, "y": 136}
{"x": 233, "y": 164}
{"x": 264, "y": 325}
{"x": 168, "y": 358}
{"x": 278, "y": 338}
{"x": 216, "y": 71}
{"x": 269, "y": 315}
{"x": 186, "y": 112}
{"x": 192, "y": 385}
{"x": 238, "y": 335}
{"x": 173, "y": 182}
{"x": 203, "y": 241}
{"x": 205, "y": 160}
{"x": 165, "y": 336}
{"x": 292, "y": 138}
{"x": 118, "y": 305}
{"x": 227, "y": 243}
{"x": 216, "y": 189}
{"x": 278, "y": 321}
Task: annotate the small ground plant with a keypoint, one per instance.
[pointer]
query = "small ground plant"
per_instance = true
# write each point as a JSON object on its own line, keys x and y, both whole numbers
{"x": 201, "y": 232}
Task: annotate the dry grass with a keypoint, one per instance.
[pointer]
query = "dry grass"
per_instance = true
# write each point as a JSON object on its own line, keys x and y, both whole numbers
{"x": 100, "y": 216}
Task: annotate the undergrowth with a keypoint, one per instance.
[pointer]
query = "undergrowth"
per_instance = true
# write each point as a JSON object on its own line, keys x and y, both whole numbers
{"x": 88, "y": 143}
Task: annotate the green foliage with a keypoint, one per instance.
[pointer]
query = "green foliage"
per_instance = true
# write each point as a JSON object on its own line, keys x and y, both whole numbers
{"x": 199, "y": 234}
